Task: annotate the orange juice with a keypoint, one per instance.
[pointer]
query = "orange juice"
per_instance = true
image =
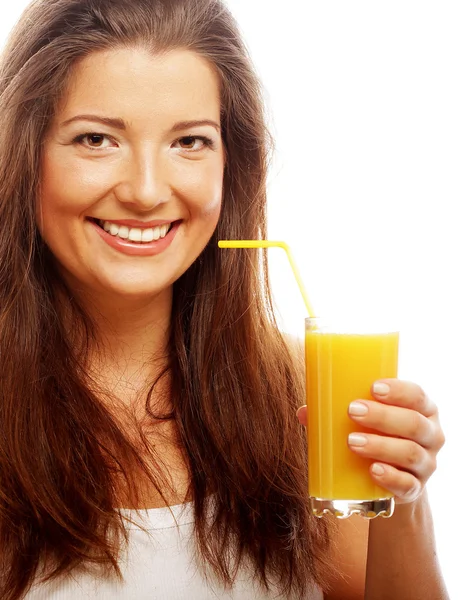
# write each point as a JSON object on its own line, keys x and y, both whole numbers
{"x": 341, "y": 368}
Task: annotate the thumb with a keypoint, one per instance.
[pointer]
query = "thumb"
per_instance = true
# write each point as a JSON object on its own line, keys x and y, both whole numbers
{"x": 302, "y": 415}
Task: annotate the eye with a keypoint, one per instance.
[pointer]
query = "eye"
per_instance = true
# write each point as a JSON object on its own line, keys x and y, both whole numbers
{"x": 194, "y": 143}
{"x": 93, "y": 141}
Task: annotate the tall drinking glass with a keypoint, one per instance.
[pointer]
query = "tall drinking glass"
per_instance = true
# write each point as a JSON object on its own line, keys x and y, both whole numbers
{"x": 341, "y": 366}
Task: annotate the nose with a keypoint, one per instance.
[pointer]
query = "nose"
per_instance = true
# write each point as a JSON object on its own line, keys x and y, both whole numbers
{"x": 145, "y": 181}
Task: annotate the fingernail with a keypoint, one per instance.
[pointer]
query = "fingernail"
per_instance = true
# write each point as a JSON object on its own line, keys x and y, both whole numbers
{"x": 358, "y": 409}
{"x": 382, "y": 389}
{"x": 355, "y": 439}
{"x": 377, "y": 469}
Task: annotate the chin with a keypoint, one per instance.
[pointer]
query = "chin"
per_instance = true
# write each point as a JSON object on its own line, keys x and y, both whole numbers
{"x": 137, "y": 292}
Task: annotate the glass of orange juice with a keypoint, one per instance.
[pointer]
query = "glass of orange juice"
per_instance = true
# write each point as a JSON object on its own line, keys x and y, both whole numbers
{"x": 341, "y": 366}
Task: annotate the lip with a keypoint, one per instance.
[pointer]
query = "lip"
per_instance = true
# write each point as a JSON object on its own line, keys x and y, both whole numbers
{"x": 135, "y": 249}
{"x": 139, "y": 224}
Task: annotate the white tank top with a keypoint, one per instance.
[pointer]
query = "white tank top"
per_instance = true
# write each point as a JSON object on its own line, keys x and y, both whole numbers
{"x": 158, "y": 565}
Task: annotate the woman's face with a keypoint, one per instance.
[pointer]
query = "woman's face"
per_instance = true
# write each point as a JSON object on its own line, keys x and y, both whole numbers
{"x": 135, "y": 148}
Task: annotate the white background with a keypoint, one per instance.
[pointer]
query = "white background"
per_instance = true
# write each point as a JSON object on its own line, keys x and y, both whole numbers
{"x": 368, "y": 102}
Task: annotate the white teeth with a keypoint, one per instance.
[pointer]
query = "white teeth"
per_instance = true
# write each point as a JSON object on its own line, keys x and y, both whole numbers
{"x": 124, "y": 232}
{"x": 147, "y": 235}
{"x": 135, "y": 234}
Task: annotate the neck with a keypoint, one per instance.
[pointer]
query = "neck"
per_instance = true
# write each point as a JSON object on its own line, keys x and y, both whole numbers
{"x": 134, "y": 332}
{"x": 130, "y": 348}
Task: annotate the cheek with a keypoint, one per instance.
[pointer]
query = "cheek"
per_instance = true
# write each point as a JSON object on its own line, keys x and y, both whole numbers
{"x": 206, "y": 192}
{"x": 65, "y": 190}
{"x": 60, "y": 201}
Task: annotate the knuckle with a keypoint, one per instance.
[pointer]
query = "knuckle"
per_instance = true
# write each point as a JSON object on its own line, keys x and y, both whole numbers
{"x": 414, "y": 454}
{"x": 420, "y": 399}
{"x": 414, "y": 425}
{"x": 440, "y": 439}
{"x": 432, "y": 464}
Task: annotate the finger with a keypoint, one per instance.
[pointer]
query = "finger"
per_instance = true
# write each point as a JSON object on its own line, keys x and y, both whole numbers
{"x": 405, "y": 394}
{"x": 302, "y": 415}
{"x": 403, "y": 454}
{"x": 395, "y": 421}
{"x": 404, "y": 486}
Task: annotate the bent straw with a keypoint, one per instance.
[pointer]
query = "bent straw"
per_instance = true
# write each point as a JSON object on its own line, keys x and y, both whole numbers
{"x": 268, "y": 244}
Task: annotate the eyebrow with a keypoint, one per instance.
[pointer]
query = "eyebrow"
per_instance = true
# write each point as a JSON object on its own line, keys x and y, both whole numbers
{"x": 120, "y": 123}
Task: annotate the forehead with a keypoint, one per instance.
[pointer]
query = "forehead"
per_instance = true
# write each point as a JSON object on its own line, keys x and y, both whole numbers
{"x": 135, "y": 83}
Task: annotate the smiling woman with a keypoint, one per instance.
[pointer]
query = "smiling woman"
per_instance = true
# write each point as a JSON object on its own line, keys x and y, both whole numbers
{"x": 160, "y": 161}
{"x": 149, "y": 442}
{"x": 151, "y": 362}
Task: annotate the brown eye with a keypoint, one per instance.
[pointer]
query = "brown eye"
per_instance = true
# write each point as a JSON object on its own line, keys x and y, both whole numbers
{"x": 188, "y": 142}
{"x": 95, "y": 140}
{"x": 194, "y": 143}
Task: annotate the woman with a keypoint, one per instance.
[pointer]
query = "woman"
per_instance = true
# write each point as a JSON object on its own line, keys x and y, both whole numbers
{"x": 141, "y": 366}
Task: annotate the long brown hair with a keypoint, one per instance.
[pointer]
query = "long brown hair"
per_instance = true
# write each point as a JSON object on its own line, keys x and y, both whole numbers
{"x": 235, "y": 385}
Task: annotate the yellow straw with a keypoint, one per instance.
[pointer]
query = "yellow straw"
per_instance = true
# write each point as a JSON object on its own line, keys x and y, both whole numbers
{"x": 268, "y": 244}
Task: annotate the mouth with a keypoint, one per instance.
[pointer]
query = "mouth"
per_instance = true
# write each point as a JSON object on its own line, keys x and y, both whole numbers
{"x": 135, "y": 235}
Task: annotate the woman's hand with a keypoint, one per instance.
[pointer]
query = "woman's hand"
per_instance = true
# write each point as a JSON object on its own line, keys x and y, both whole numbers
{"x": 406, "y": 454}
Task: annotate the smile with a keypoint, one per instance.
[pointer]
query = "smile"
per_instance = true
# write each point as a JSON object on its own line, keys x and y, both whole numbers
{"x": 135, "y": 241}
{"x": 137, "y": 235}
